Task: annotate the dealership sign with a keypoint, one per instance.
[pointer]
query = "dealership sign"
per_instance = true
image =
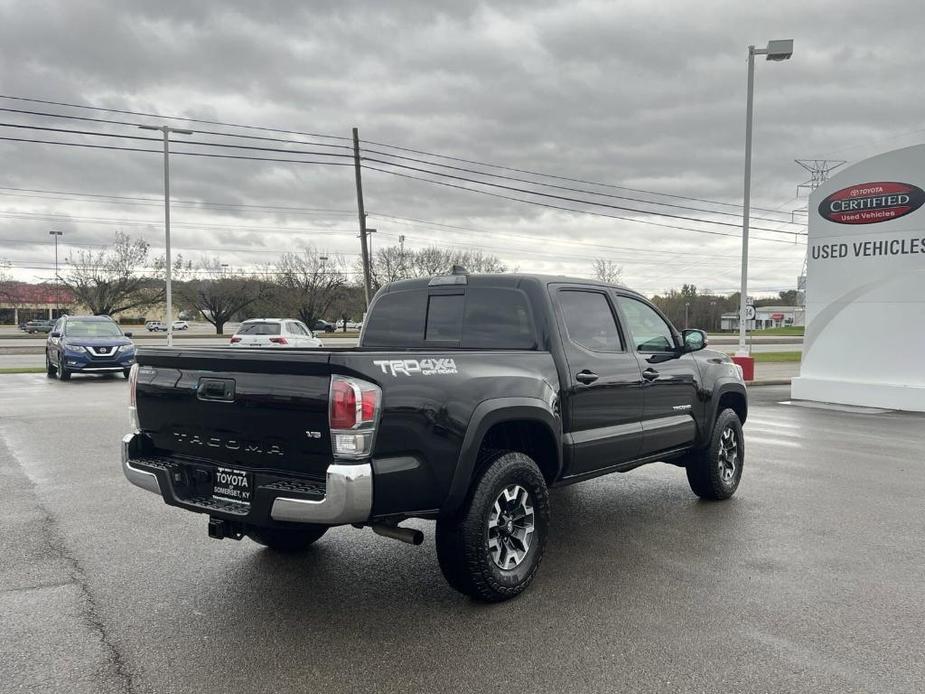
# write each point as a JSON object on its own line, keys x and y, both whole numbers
{"x": 865, "y": 286}
{"x": 869, "y": 203}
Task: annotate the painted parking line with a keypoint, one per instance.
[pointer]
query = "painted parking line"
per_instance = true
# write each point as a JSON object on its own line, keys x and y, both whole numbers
{"x": 766, "y": 441}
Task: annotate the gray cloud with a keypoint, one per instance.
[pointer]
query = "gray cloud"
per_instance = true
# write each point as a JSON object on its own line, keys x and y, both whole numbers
{"x": 630, "y": 93}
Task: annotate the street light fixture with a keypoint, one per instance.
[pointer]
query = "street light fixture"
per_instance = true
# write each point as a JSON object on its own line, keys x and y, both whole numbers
{"x": 776, "y": 50}
{"x": 56, "y": 234}
{"x": 166, "y": 130}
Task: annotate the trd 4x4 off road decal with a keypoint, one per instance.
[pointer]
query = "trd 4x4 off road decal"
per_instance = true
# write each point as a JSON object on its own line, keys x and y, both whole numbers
{"x": 411, "y": 367}
{"x": 869, "y": 203}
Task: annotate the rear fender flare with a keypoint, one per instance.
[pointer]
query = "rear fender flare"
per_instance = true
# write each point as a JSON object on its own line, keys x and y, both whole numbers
{"x": 486, "y": 415}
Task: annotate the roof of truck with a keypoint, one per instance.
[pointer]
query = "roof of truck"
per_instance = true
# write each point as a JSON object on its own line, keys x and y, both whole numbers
{"x": 504, "y": 279}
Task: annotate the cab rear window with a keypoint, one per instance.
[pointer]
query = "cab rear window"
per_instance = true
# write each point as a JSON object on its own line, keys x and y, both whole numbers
{"x": 479, "y": 318}
{"x": 259, "y": 329}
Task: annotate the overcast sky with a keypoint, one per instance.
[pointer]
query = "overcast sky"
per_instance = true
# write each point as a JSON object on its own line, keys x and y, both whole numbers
{"x": 644, "y": 95}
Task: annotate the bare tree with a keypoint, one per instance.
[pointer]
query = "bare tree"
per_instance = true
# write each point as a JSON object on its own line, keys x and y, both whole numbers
{"x": 309, "y": 283}
{"x": 220, "y": 295}
{"x": 394, "y": 263}
{"x": 607, "y": 271}
{"x": 115, "y": 279}
{"x": 388, "y": 265}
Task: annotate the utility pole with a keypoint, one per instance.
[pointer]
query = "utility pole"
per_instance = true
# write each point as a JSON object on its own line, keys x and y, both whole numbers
{"x": 56, "y": 234}
{"x": 361, "y": 213}
{"x": 166, "y": 130}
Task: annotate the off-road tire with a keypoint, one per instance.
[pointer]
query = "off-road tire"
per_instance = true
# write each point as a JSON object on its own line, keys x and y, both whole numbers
{"x": 463, "y": 541}
{"x": 704, "y": 467}
{"x": 286, "y": 540}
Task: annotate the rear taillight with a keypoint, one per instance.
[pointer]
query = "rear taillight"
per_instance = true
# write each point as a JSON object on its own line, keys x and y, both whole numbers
{"x": 353, "y": 416}
{"x": 235, "y": 340}
{"x": 279, "y": 340}
{"x": 132, "y": 407}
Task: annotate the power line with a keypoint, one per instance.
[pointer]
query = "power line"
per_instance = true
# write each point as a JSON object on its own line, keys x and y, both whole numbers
{"x": 567, "y": 188}
{"x": 187, "y": 154}
{"x": 346, "y": 139}
{"x": 161, "y": 116}
{"x": 566, "y": 198}
{"x": 198, "y": 143}
{"x": 181, "y": 247}
{"x": 49, "y": 216}
{"x": 159, "y": 202}
{"x": 124, "y": 200}
{"x": 200, "y": 131}
{"x": 567, "y": 209}
{"x": 565, "y": 178}
{"x": 571, "y": 242}
{"x": 47, "y": 266}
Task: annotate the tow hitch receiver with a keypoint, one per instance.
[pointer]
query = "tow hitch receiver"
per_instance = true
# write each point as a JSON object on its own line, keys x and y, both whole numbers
{"x": 220, "y": 529}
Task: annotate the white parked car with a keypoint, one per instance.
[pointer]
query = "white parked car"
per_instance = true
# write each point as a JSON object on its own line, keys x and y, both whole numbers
{"x": 274, "y": 332}
{"x": 180, "y": 325}
{"x": 154, "y": 326}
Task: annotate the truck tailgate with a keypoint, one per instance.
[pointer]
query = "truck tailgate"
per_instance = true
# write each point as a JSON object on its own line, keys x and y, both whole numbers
{"x": 258, "y": 410}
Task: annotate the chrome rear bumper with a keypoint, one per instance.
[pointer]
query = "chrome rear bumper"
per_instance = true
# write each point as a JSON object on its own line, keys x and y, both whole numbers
{"x": 348, "y": 492}
{"x": 348, "y": 499}
{"x": 140, "y": 478}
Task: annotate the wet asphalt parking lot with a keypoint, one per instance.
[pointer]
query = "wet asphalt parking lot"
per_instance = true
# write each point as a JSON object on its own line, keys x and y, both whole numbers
{"x": 809, "y": 580}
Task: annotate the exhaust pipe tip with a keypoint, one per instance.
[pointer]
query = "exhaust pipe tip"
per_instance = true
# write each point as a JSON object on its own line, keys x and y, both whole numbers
{"x": 409, "y": 535}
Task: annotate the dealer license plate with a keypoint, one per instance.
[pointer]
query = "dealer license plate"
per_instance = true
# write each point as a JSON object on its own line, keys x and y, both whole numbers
{"x": 229, "y": 484}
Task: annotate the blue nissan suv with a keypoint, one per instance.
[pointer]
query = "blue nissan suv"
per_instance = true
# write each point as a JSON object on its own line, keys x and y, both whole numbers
{"x": 88, "y": 344}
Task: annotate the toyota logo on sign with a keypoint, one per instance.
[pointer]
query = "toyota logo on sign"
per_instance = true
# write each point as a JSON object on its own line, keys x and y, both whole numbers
{"x": 869, "y": 203}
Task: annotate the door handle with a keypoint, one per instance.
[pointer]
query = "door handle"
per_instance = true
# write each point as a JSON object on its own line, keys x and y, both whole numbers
{"x": 650, "y": 374}
{"x": 586, "y": 377}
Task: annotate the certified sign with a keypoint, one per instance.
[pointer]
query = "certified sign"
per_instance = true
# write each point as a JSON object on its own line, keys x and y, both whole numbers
{"x": 869, "y": 203}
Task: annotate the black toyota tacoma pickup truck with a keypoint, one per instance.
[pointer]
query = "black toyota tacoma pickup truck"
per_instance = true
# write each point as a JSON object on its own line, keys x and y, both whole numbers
{"x": 467, "y": 399}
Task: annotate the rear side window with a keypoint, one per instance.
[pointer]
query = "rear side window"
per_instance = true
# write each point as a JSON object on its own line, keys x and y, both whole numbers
{"x": 497, "y": 319}
{"x": 481, "y": 318}
{"x": 397, "y": 320}
{"x": 589, "y": 321}
{"x": 259, "y": 329}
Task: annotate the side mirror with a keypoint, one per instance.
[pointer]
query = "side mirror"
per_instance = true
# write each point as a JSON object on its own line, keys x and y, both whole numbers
{"x": 128, "y": 334}
{"x": 55, "y": 333}
{"x": 694, "y": 340}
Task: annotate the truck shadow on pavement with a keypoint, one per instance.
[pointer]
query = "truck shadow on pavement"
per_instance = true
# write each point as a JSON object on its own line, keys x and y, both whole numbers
{"x": 610, "y": 534}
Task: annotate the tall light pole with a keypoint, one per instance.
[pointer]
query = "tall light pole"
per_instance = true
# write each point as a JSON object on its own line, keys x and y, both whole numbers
{"x": 166, "y": 130}
{"x": 776, "y": 50}
{"x": 56, "y": 234}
